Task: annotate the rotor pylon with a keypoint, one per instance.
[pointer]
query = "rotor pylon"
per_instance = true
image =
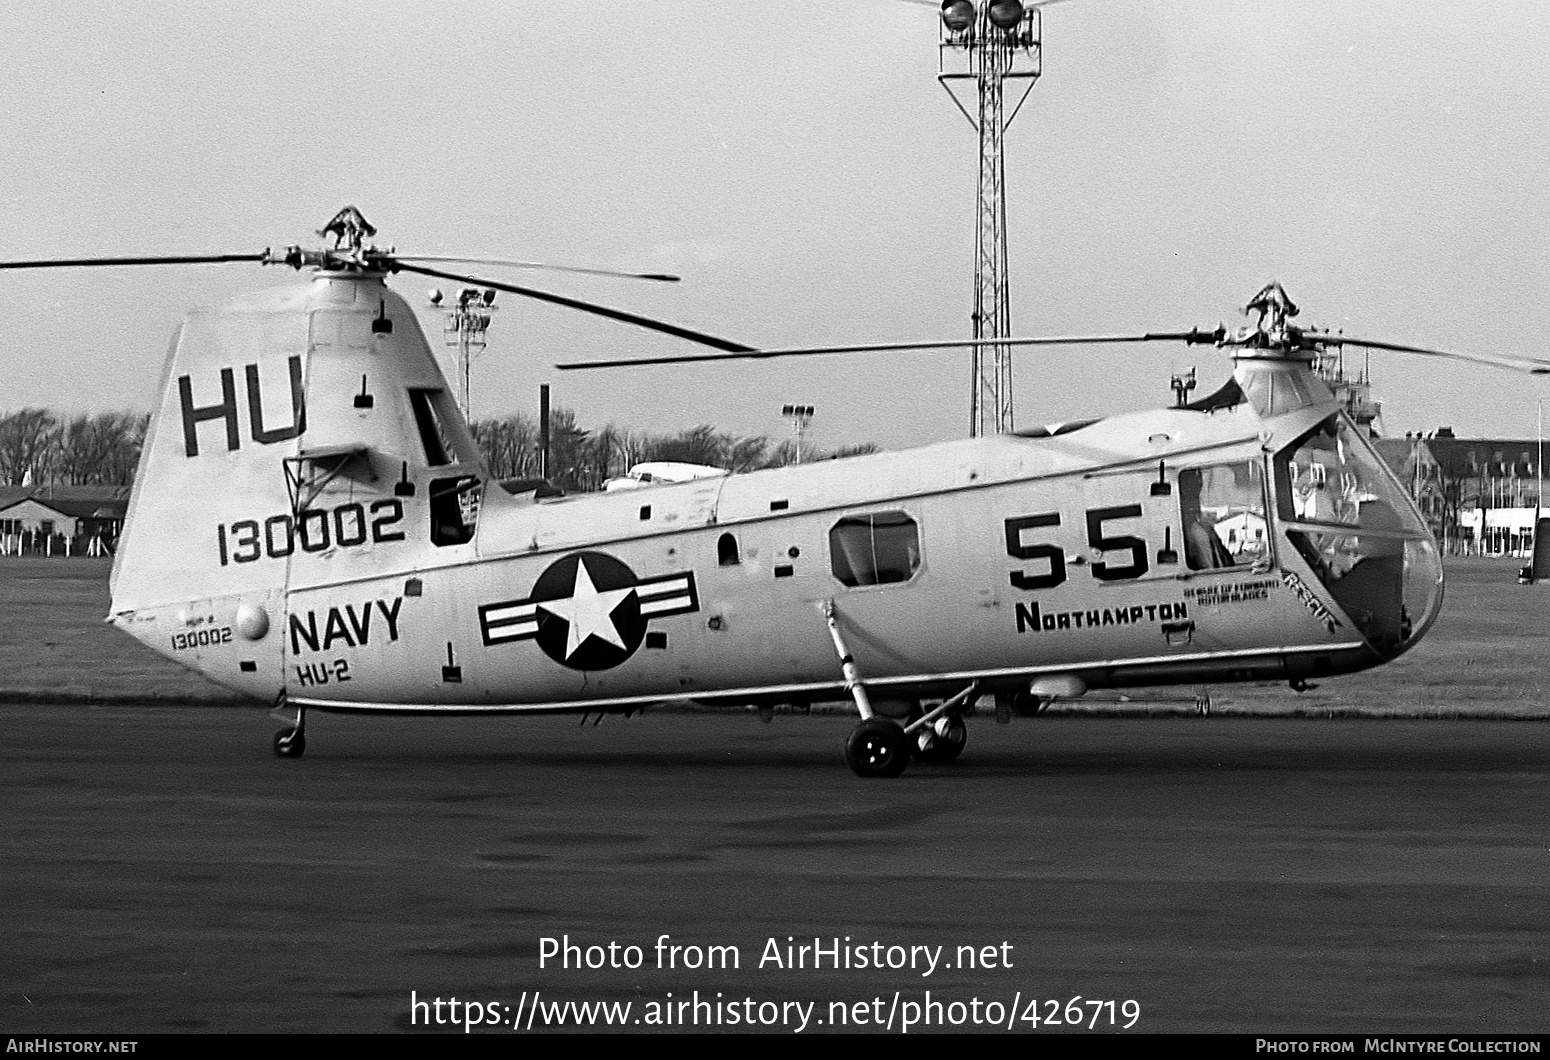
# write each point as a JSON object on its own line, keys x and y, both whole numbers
{"x": 987, "y": 46}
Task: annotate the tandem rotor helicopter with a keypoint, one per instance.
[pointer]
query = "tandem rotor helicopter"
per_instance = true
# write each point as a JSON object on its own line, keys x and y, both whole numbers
{"x": 311, "y": 522}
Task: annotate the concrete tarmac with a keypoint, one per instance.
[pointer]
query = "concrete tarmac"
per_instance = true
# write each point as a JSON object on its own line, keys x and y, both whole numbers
{"x": 162, "y": 870}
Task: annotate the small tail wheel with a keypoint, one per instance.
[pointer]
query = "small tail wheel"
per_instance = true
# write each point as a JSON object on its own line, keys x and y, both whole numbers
{"x": 289, "y": 743}
{"x": 942, "y": 741}
{"x": 878, "y": 748}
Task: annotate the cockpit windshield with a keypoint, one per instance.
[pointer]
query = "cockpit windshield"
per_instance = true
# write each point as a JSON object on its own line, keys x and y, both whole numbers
{"x": 1348, "y": 517}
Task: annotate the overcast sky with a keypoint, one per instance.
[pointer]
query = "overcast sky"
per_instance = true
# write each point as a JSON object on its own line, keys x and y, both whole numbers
{"x": 799, "y": 165}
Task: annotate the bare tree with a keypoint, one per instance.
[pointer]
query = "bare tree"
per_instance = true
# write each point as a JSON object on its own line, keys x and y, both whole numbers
{"x": 510, "y": 446}
{"x": 697, "y": 445}
{"x": 27, "y": 441}
{"x": 605, "y": 452}
{"x": 783, "y": 454}
{"x": 584, "y": 460}
{"x": 748, "y": 454}
{"x": 120, "y": 470}
{"x": 101, "y": 449}
{"x": 630, "y": 447}
{"x": 569, "y": 463}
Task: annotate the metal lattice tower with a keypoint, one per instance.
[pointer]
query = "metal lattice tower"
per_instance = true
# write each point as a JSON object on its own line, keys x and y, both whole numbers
{"x": 987, "y": 46}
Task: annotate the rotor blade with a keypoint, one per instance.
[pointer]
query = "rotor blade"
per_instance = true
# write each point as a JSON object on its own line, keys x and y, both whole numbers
{"x": 73, "y": 263}
{"x": 1532, "y": 365}
{"x": 661, "y": 277}
{"x": 1031, "y": 3}
{"x": 585, "y": 307}
{"x": 1192, "y": 337}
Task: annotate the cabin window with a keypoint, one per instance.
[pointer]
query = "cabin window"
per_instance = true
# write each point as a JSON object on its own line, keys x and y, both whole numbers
{"x": 875, "y": 549}
{"x": 439, "y": 450}
{"x": 454, "y": 509}
{"x": 1222, "y": 507}
{"x": 726, "y": 551}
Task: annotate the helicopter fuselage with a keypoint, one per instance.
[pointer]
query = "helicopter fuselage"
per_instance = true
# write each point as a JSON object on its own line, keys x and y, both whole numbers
{"x": 318, "y": 523}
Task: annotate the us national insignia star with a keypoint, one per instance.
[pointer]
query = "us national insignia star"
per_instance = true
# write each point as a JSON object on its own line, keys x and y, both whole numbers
{"x": 588, "y": 610}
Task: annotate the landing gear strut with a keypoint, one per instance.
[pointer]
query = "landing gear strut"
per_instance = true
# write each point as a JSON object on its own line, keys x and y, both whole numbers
{"x": 877, "y": 747}
{"x": 291, "y": 742}
{"x": 881, "y": 747}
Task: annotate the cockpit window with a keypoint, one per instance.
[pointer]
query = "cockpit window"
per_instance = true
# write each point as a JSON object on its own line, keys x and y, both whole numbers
{"x": 1359, "y": 533}
{"x": 1330, "y": 476}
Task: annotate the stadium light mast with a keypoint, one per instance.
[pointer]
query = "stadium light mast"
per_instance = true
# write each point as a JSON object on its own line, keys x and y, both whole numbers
{"x": 468, "y": 318}
{"x": 801, "y": 417}
{"x": 986, "y": 46}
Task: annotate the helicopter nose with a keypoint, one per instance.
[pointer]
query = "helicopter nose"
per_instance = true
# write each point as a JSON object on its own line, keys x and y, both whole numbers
{"x": 1393, "y": 594}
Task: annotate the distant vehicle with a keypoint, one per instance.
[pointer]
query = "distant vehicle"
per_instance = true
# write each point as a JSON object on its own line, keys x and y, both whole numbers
{"x": 660, "y": 473}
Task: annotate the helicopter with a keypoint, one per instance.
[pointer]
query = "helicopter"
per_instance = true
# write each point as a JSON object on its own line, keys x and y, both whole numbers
{"x": 311, "y": 523}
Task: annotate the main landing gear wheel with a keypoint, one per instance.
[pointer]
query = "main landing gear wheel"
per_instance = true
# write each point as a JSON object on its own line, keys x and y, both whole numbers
{"x": 878, "y": 748}
{"x": 289, "y": 743}
{"x": 941, "y": 741}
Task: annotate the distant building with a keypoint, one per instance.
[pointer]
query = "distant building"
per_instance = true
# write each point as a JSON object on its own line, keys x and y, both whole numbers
{"x": 1499, "y": 531}
{"x": 75, "y": 520}
{"x": 1453, "y": 480}
{"x": 1243, "y": 532}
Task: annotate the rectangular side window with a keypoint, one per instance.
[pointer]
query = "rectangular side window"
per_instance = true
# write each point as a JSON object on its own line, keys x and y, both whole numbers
{"x": 874, "y": 549}
{"x": 1223, "y": 512}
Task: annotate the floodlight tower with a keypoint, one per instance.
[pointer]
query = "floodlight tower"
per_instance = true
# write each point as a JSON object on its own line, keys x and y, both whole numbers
{"x": 986, "y": 46}
{"x": 801, "y": 417}
{"x": 468, "y": 319}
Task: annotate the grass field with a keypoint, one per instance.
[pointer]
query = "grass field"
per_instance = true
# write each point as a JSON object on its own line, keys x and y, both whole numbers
{"x": 55, "y": 646}
{"x": 1487, "y": 656}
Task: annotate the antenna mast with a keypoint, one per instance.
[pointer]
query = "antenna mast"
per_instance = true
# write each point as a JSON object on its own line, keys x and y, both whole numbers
{"x": 988, "y": 45}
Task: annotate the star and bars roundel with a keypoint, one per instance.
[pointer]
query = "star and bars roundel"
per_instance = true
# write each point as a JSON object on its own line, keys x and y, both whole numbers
{"x": 588, "y": 610}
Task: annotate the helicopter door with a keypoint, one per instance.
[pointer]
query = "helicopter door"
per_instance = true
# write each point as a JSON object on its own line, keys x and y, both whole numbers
{"x": 1351, "y": 522}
